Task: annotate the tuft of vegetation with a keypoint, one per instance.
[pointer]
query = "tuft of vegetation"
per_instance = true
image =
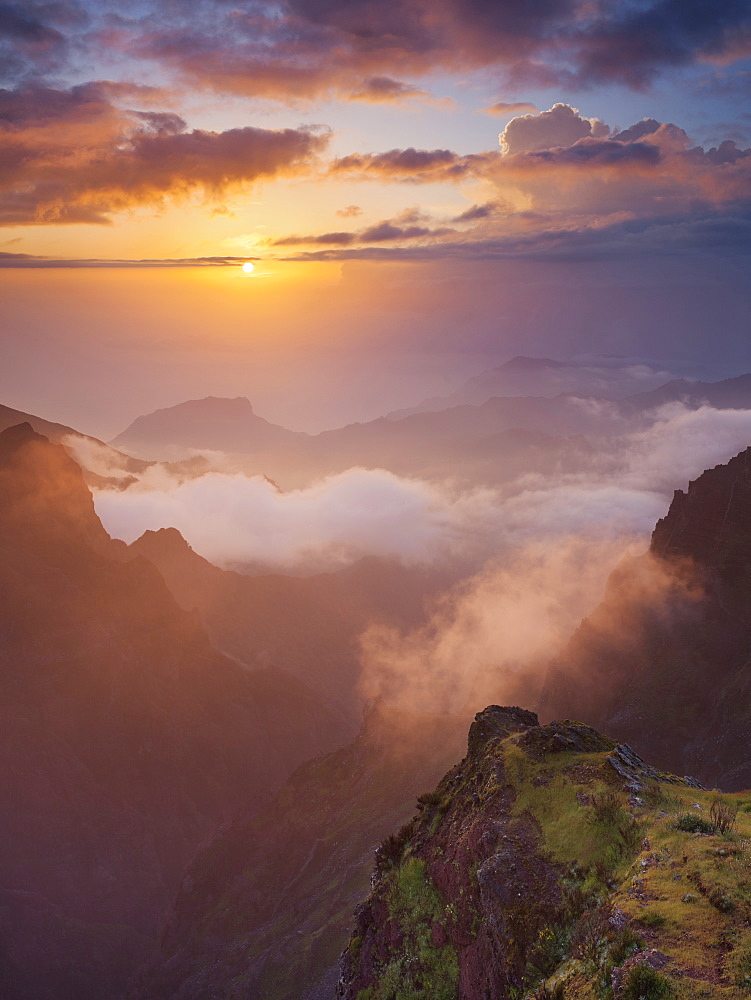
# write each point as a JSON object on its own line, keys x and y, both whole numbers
{"x": 691, "y": 823}
{"x": 654, "y": 919}
{"x": 607, "y": 806}
{"x": 722, "y": 815}
{"x": 428, "y": 800}
{"x": 643, "y": 983}
{"x": 389, "y": 852}
{"x": 591, "y": 931}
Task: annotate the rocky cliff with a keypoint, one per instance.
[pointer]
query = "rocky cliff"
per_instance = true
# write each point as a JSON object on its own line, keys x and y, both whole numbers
{"x": 552, "y": 862}
{"x": 664, "y": 662}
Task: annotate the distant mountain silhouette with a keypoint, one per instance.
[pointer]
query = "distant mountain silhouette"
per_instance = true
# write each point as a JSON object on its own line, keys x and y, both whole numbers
{"x": 213, "y": 423}
{"x": 728, "y": 394}
{"x": 490, "y": 442}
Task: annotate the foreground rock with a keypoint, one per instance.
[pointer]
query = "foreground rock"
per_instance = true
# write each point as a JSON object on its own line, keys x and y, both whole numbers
{"x": 536, "y": 867}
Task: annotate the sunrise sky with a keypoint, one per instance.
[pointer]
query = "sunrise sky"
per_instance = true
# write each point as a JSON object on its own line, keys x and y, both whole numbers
{"x": 427, "y": 187}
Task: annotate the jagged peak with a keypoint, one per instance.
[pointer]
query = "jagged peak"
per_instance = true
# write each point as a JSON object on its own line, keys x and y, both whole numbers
{"x": 18, "y": 435}
{"x": 496, "y": 722}
{"x": 712, "y": 514}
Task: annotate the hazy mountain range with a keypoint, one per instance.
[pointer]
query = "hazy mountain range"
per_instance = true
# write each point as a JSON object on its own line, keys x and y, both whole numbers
{"x": 185, "y": 811}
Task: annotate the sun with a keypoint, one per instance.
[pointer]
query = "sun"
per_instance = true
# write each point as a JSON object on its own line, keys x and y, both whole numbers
{"x": 248, "y": 267}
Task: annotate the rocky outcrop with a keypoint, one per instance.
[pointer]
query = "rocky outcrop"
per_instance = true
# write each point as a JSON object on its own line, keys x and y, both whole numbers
{"x": 538, "y": 868}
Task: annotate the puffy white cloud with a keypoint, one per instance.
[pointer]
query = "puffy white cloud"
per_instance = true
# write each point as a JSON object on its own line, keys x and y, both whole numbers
{"x": 561, "y": 126}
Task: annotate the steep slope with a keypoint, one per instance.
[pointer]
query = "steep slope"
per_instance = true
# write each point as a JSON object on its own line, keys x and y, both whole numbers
{"x": 311, "y": 625}
{"x": 228, "y": 425}
{"x": 80, "y": 444}
{"x": 126, "y": 738}
{"x": 552, "y": 862}
{"x": 664, "y": 661}
{"x": 266, "y": 909}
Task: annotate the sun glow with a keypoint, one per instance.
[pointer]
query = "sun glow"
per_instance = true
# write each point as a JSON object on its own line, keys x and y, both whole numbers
{"x": 248, "y": 268}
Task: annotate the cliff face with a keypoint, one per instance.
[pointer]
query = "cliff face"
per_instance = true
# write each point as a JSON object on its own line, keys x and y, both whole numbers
{"x": 553, "y": 862}
{"x": 664, "y": 661}
{"x": 126, "y": 738}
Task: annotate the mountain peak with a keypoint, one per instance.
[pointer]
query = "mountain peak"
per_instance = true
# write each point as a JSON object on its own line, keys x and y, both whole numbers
{"x": 215, "y": 423}
{"x": 16, "y": 436}
{"x": 709, "y": 522}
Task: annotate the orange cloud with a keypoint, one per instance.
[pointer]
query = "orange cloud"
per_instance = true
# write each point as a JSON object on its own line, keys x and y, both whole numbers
{"x": 73, "y": 156}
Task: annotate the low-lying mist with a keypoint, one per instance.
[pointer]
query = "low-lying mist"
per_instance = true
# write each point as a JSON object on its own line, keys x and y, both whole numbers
{"x": 532, "y": 558}
{"x": 234, "y": 518}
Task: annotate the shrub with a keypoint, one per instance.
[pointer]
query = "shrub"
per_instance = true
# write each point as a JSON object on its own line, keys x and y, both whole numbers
{"x": 643, "y": 983}
{"x": 691, "y": 823}
{"x": 427, "y": 800}
{"x": 390, "y": 851}
{"x": 590, "y": 932}
{"x": 625, "y": 944}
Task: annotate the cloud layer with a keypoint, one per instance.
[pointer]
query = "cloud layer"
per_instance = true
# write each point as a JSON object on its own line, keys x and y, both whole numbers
{"x": 298, "y": 49}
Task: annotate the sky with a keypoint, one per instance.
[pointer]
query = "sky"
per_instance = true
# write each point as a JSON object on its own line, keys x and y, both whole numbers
{"x": 425, "y": 188}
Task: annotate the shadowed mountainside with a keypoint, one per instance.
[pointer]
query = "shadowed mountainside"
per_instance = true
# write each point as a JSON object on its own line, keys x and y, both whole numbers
{"x": 310, "y": 624}
{"x": 127, "y": 740}
{"x": 265, "y": 910}
{"x": 667, "y": 667}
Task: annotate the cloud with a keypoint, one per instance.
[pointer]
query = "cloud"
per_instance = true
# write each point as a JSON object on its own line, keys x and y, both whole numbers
{"x": 490, "y": 637}
{"x": 303, "y": 49}
{"x": 562, "y": 181}
{"x": 561, "y": 126}
{"x": 29, "y": 40}
{"x": 384, "y": 90}
{"x": 74, "y": 156}
{"x": 236, "y": 518}
{"x": 416, "y": 166}
{"x": 407, "y": 226}
{"x": 503, "y": 109}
